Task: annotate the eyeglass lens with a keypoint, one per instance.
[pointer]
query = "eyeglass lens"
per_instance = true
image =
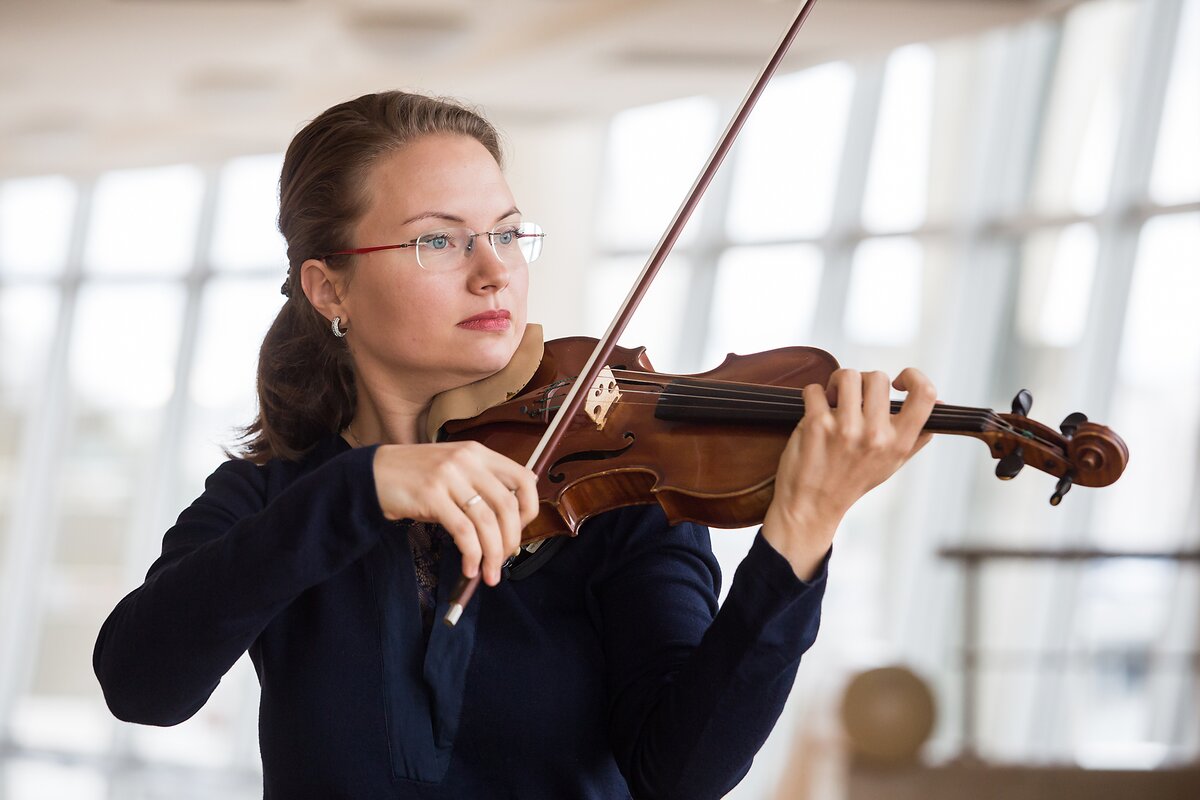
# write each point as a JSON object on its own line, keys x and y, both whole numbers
{"x": 448, "y": 247}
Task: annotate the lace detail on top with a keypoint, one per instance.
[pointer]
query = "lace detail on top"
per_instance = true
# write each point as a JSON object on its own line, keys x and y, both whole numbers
{"x": 424, "y": 540}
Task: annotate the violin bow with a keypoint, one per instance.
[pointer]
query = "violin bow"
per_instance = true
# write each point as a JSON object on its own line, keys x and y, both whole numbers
{"x": 574, "y": 399}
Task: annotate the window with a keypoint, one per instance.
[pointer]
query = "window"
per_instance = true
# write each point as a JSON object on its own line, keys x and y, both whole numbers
{"x": 1156, "y": 402}
{"x": 35, "y": 225}
{"x": 1078, "y": 139}
{"x": 1058, "y": 267}
{"x": 899, "y": 174}
{"x": 1176, "y": 177}
{"x": 787, "y": 157}
{"x": 144, "y": 221}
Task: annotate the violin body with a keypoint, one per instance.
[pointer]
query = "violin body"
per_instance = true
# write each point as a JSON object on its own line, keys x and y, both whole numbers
{"x": 660, "y": 441}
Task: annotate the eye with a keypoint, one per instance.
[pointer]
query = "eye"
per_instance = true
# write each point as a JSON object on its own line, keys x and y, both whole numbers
{"x": 505, "y": 237}
{"x": 436, "y": 241}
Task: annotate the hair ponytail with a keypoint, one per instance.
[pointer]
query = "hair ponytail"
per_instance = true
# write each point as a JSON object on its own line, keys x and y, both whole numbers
{"x": 305, "y": 385}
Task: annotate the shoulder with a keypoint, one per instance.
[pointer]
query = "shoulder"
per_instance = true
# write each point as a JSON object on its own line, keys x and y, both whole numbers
{"x": 278, "y": 472}
{"x": 238, "y": 488}
{"x": 239, "y": 476}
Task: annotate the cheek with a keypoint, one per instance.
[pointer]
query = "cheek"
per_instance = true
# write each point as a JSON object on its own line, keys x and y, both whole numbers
{"x": 519, "y": 286}
{"x": 390, "y": 310}
{"x": 400, "y": 292}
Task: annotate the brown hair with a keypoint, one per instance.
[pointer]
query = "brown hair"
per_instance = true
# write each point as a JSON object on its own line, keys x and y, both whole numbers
{"x": 306, "y": 385}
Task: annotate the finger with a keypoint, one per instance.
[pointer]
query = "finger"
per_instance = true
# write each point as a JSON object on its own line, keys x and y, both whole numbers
{"x": 840, "y": 382}
{"x": 877, "y": 401}
{"x": 508, "y": 517}
{"x": 849, "y": 412}
{"x": 462, "y": 531}
{"x": 487, "y": 529}
{"x": 816, "y": 404}
{"x": 498, "y": 478}
{"x": 527, "y": 496}
{"x": 915, "y": 410}
{"x": 523, "y": 484}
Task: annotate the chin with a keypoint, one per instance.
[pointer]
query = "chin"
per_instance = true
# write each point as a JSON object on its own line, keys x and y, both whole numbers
{"x": 494, "y": 356}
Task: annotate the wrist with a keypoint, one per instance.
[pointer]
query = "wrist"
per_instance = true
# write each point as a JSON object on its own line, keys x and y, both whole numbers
{"x": 801, "y": 538}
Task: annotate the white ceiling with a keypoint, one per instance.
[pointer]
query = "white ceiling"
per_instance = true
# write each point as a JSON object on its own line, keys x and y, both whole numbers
{"x": 89, "y": 84}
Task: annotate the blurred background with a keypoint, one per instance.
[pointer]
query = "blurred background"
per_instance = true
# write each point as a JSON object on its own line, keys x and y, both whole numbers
{"x": 1005, "y": 194}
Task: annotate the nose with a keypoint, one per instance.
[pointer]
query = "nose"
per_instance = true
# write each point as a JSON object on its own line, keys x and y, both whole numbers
{"x": 487, "y": 272}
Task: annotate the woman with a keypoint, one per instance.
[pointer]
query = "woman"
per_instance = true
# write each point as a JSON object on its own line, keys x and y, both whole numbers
{"x": 602, "y": 674}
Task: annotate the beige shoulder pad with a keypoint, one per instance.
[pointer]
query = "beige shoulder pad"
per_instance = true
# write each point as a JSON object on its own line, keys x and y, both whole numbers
{"x": 474, "y": 398}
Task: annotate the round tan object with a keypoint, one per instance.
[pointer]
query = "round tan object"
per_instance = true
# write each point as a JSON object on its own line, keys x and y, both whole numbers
{"x": 888, "y": 714}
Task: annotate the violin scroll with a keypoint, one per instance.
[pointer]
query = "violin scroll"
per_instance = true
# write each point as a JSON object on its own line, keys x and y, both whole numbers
{"x": 1080, "y": 453}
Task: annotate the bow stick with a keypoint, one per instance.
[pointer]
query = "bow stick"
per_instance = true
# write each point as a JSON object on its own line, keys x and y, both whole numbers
{"x": 599, "y": 357}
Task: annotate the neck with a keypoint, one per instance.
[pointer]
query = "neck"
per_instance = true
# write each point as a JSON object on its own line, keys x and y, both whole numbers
{"x": 387, "y": 417}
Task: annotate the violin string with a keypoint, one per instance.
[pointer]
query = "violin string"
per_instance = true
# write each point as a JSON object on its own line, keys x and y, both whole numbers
{"x": 793, "y": 401}
{"x": 762, "y": 394}
{"x": 981, "y": 419}
{"x": 985, "y": 418}
{"x": 797, "y": 402}
{"x": 791, "y": 396}
{"x": 761, "y": 390}
{"x": 764, "y": 390}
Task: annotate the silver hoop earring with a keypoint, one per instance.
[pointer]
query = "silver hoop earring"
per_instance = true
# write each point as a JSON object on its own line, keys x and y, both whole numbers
{"x": 337, "y": 330}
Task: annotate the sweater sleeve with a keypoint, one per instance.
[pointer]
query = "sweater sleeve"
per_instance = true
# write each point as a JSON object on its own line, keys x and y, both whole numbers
{"x": 236, "y": 557}
{"x": 694, "y": 697}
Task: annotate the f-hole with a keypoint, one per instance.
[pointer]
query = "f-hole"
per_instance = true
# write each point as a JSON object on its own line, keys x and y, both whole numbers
{"x": 589, "y": 455}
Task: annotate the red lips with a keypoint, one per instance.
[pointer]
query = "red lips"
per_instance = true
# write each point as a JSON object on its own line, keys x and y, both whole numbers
{"x": 500, "y": 313}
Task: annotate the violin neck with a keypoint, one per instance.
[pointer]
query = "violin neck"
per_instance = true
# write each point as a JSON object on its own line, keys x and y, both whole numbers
{"x": 698, "y": 400}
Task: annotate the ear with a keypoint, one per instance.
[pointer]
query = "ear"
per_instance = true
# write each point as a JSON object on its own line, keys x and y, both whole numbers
{"x": 325, "y": 289}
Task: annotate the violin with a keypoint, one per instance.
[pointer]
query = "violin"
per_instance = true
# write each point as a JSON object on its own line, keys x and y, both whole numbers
{"x": 705, "y": 447}
{"x": 602, "y": 430}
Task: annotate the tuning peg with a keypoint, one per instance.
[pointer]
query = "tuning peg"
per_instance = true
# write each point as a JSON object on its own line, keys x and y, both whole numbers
{"x": 1064, "y": 486}
{"x": 1009, "y": 466}
{"x": 1071, "y": 424}
{"x": 1022, "y": 402}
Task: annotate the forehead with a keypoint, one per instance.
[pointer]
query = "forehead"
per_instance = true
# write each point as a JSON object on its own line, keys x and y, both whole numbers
{"x": 450, "y": 174}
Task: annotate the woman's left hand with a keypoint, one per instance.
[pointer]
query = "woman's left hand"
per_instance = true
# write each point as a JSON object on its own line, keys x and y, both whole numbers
{"x": 848, "y": 443}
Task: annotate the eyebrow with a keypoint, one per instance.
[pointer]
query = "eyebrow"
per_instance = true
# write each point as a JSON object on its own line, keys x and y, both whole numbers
{"x": 452, "y": 217}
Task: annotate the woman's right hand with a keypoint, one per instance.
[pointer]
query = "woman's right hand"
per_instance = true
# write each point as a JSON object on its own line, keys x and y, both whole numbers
{"x": 439, "y": 483}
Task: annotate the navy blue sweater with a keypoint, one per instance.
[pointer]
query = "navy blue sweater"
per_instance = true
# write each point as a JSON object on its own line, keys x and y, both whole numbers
{"x": 602, "y": 675}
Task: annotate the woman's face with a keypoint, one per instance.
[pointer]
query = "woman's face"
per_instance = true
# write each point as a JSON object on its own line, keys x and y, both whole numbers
{"x": 419, "y": 326}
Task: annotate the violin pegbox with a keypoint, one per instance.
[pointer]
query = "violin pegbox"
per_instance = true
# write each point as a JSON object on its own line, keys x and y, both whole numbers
{"x": 1080, "y": 452}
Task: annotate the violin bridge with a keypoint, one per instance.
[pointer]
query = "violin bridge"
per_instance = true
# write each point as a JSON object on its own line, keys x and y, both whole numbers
{"x": 603, "y": 394}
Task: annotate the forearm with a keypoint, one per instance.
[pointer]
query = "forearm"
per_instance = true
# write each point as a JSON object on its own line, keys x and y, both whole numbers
{"x": 710, "y": 719}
